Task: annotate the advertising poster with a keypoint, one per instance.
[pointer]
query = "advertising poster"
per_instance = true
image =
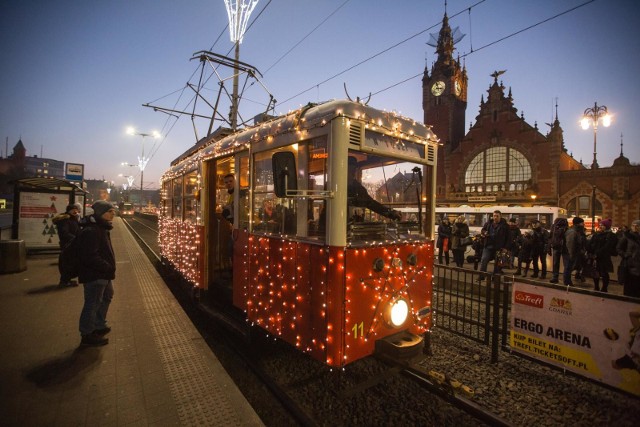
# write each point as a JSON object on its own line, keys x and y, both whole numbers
{"x": 36, "y": 212}
{"x": 592, "y": 336}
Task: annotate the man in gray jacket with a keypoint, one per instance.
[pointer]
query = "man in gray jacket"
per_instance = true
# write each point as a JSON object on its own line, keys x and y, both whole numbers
{"x": 575, "y": 241}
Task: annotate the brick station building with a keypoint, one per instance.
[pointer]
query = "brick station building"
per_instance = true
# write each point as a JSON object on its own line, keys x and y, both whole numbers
{"x": 503, "y": 160}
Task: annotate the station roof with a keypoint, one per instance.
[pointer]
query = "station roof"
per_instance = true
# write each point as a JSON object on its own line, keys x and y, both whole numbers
{"x": 56, "y": 184}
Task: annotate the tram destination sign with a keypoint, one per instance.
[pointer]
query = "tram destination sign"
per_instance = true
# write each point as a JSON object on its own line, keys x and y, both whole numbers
{"x": 393, "y": 145}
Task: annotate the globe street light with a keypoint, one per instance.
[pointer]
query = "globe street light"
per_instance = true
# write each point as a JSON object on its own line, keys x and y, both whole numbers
{"x": 592, "y": 116}
{"x": 142, "y": 161}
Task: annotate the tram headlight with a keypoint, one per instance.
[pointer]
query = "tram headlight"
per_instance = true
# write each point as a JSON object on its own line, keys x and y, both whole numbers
{"x": 397, "y": 312}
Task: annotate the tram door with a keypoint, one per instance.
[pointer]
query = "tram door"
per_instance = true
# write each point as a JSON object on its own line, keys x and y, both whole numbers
{"x": 219, "y": 226}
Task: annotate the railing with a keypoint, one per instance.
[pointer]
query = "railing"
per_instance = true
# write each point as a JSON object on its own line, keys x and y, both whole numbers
{"x": 470, "y": 307}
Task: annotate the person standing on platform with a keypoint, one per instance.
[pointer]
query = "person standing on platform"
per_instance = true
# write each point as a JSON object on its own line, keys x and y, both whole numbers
{"x": 444, "y": 240}
{"x": 558, "y": 246}
{"x": 629, "y": 249}
{"x": 602, "y": 247}
{"x": 514, "y": 238}
{"x": 459, "y": 231}
{"x": 540, "y": 249}
{"x": 496, "y": 239}
{"x": 68, "y": 225}
{"x": 575, "y": 243}
{"x": 97, "y": 270}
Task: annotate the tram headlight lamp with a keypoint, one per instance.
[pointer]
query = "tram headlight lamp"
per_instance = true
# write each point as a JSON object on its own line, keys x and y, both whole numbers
{"x": 397, "y": 312}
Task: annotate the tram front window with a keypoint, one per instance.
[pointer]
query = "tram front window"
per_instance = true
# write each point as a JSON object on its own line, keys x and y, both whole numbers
{"x": 383, "y": 196}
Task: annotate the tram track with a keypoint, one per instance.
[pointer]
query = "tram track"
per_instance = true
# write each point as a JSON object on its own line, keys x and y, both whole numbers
{"x": 303, "y": 413}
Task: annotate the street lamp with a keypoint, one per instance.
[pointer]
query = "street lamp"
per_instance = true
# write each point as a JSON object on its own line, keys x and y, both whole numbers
{"x": 238, "y": 12}
{"x": 142, "y": 161}
{"x": 592, "y": 116}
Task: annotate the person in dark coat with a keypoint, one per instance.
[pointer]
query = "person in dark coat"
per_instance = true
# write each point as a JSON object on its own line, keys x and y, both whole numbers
{"x": 444, "y": 232}
{"x": 525, "y": 243}
{"x": 68, "y": 225}
{"x": 514, "y": 239}
{"x": 601, "y": 247}
{"x": 459, "y": 231}
{"x": 97, "y": 270}
{"x": 540, "y": 249}
{"x": 629, "y": 249}
{"x": 496, "y": 235}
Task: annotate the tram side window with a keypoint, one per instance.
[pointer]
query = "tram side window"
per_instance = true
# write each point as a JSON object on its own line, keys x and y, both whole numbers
{"x": 271, "y": 214}
{"x": 177, "y": 198}
{"x": 317, "y": 180}
{"x": 166, "y": 198}
{"x": 191, "y": 205}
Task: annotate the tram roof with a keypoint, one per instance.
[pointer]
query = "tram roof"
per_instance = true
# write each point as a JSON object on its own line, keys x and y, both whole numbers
{"x": 224, "y": 141}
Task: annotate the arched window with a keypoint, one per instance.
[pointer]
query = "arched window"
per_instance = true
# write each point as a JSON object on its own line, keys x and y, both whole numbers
{"x": 581, "y": 206}
{"x": 502, "y": 167}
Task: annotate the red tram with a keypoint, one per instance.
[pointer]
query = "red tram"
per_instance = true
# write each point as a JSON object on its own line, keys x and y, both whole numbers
{"x": 326, "y": 238}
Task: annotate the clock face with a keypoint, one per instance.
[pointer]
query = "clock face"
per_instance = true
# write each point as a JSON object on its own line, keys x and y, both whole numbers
{"x": 458, "y": 87}
{"x": 437, "y": 88}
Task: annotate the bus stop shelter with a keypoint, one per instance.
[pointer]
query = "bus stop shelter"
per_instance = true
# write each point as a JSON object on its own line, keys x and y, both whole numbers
{"x": 36, "y": 201}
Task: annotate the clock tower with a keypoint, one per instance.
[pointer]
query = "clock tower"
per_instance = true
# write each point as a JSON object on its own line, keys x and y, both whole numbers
{"x": 444, "y": 99}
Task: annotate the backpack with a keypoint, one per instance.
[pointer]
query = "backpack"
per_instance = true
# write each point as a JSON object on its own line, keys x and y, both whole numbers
{"x": 558, "y": 230}
{"x": 71, "y": 257}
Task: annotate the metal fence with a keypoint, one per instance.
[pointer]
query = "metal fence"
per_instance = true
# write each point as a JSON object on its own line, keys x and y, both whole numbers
{"x": 472, "y": 304}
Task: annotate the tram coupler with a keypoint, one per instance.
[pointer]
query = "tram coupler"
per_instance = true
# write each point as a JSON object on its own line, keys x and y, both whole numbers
{"x": 401, "y": 346}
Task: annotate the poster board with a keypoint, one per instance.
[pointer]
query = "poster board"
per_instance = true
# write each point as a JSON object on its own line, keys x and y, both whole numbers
{"x": 592, "y": 336}
{"x": 35, "y": 216}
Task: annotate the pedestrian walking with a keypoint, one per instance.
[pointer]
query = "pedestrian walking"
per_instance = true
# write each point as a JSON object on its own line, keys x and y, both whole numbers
{"x": 97, "y": 270}
{"x": 68, "y": 226}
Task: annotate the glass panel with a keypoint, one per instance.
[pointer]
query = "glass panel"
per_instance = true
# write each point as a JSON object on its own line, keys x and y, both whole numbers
{"x": 271, "y": 214}
{"x": 519, "y": 167}
{"x": 475, "y": 171}
{"x": 177, "y": 198}
{"x": 382, "y": 199}
{"x": 317, "y": 180}
{"x": 496, "y": 165}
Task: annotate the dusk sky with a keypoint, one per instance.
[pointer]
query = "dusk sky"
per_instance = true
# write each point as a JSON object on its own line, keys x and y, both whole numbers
{"x": 76, "y": 73}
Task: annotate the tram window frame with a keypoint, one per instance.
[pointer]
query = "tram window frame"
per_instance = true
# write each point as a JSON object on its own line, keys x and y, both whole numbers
{"x": 191, "y": 205}
{"x": 176, "y": 205}
{"x": 264, "y": 188}
{"x": 167, "y": 203}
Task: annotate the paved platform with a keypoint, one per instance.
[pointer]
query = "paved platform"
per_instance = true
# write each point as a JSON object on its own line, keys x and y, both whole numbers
{"x": 156, "y": 370}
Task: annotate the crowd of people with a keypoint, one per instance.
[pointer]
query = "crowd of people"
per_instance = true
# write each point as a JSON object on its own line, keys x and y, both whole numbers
{"x": 582, "y": 256}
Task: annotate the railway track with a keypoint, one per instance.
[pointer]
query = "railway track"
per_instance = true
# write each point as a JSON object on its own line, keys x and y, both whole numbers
{"x": 298, "y": 384}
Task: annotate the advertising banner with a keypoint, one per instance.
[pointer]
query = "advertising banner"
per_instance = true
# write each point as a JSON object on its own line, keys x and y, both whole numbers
{"x": 34, "y": 222}
{"x": 592, "y": 336}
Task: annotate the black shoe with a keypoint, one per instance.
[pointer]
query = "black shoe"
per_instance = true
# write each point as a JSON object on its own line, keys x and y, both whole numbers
{"x": 102, "y": 332}
{"x": 93, "y": 340}
{"x": 543, "y": 276}
{"x": 553, "y": 281}
{"x": 534, "y": 276}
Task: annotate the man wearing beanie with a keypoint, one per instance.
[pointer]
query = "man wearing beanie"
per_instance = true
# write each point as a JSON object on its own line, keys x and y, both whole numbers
{"x": 68, "y": 225}
{"x": 97, "y": 270}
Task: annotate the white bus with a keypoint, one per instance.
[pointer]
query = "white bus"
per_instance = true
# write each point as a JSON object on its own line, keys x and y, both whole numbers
{"x": 477, "y": 217}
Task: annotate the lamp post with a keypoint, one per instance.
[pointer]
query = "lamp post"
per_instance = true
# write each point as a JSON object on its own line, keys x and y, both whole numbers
{"x": 592, "y": 116}
{"x": 142, "y": 161}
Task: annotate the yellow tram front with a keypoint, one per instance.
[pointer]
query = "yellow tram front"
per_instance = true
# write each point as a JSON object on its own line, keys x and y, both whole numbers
{"x": 331, "y": 245}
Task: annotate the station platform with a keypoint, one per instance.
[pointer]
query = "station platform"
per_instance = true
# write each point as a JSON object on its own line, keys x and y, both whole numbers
{"x": 156, "y": 370}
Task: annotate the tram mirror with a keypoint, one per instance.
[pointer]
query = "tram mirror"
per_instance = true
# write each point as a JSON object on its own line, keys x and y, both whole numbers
{"x": 284, "y": 173}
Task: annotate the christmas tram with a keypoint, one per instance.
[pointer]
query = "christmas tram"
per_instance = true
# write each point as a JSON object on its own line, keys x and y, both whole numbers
{"x": 317, "y": 225}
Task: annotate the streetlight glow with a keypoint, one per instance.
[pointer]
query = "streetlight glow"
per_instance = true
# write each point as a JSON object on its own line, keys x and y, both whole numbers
{"x": 592, "y": 116}
{"x": 142, "y": 160}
